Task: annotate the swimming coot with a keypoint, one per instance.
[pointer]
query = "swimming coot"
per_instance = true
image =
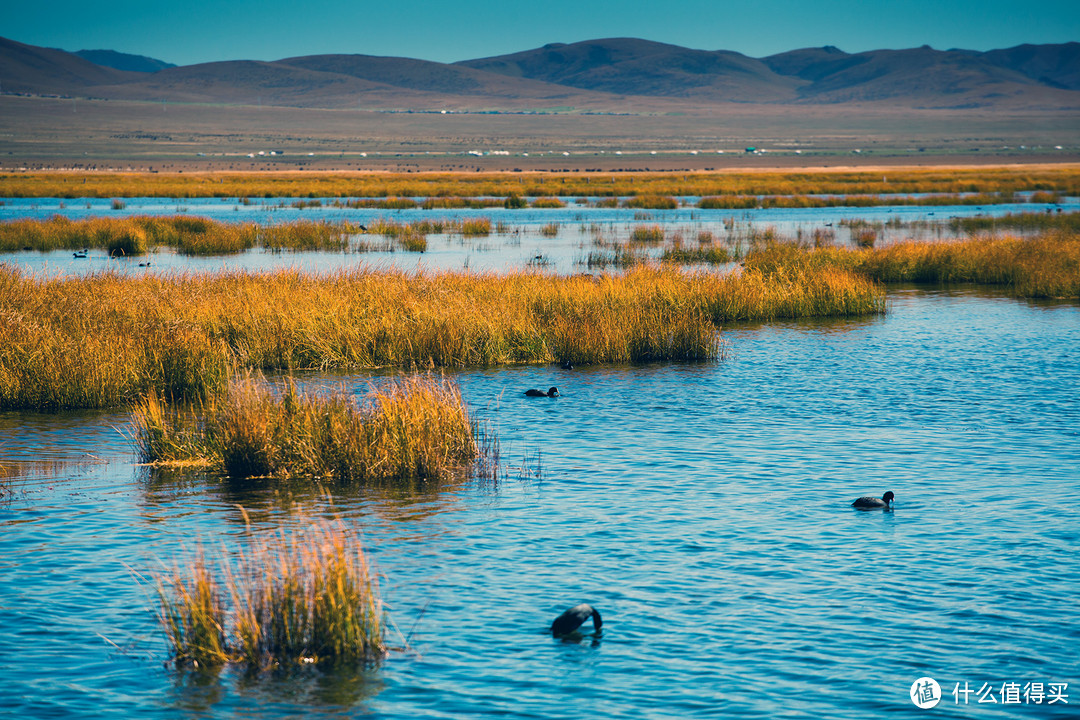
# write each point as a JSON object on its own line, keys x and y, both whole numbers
{"x": 873, "y": 503}
{"x": 571, "y": 620}
{"x": 552, "y": 392}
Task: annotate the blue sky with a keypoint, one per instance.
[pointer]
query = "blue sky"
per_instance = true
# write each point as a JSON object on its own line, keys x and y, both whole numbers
{"x": 208, "y": 30}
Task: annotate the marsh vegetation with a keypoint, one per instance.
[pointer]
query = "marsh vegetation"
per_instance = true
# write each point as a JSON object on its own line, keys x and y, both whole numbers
{"x": 186, "y": 353}
{"x": 413, "y": 431}
{"x": 107, "y": 339}
{"x": 295, "y": 597}
{"x": 1044, "y": 266}
{"x": 188, "y": 235}
{"x": 979, "y": 186}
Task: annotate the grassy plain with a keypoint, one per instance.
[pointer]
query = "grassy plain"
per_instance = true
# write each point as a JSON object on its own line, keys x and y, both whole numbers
{"x": 40, "y": 133}
{"x": 650, "y": 190}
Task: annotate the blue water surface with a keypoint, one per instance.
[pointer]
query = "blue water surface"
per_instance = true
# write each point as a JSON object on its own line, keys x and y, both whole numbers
{"x": 703, "y": 508}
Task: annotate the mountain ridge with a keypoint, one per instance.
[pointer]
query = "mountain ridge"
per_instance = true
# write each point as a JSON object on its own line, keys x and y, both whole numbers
{"x": 123, "y": 61}
{"x": 618, "y": 74}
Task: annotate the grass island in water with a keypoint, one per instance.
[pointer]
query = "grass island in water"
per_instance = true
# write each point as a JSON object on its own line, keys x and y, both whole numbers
{"x": 296, "y": 597}
{"x": 107, "y": 339}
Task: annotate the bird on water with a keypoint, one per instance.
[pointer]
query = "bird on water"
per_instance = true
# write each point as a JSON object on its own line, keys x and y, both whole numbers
{"x": 552, "y": 392}
{"x": 572, "y": 619}
{"x": 873, "y": 503}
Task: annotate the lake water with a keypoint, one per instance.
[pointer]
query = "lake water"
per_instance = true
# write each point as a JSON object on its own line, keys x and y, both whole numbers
{"x": 703, "y": 508}
{"x": 522, "y": 245}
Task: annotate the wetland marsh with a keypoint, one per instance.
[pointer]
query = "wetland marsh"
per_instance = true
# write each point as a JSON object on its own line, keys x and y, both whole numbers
{"x": 692, "y": 480}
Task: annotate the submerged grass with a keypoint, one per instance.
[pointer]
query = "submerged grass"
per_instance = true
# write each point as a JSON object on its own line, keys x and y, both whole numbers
{"x": 708, "y": 254}
{"x": 414, "y": 431}
{"x": 647, "y": 234}
{"x": 304, "y": 596}
{"x": 107, "y": 339}
{"x": 1027, "y": 222}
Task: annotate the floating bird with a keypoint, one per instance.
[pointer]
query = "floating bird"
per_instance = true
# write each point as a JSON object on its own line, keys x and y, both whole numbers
{"x": 567, "y": 365}
{"x": 873, "y": 503}
{"x": 571, "y": 620}
{"x": 145, "y": 264}
{"x": 552, "y": 392}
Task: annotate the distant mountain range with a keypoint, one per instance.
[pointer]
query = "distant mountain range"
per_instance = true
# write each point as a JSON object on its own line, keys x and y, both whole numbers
{"x": 123, "y": 61}
{"x": 619, "y": 74}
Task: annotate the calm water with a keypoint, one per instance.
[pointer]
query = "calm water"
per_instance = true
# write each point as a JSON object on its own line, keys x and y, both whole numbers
{"x": 522, "y": 246}
{"x": 702, "y": 508}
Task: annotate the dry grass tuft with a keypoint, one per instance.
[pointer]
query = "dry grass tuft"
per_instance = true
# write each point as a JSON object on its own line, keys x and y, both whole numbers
{"x": 414, "y": 431}
{"x": 297, "y": 597}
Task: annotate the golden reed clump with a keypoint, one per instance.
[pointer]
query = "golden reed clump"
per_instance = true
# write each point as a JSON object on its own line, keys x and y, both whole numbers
{"x": 107, "y": 339}
{"x": 413, "y": 431}
{"x": 125, "y": 236}
{"x": 1044, "y": 266}
{"x": 300, "y": 596}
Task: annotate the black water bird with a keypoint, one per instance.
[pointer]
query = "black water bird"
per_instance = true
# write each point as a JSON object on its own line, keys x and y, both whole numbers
{"x": 552, "y": 392}
{"x": 873, "y": 503}
{"x": 567, "y": 365}
{"x": 572, "y": 619}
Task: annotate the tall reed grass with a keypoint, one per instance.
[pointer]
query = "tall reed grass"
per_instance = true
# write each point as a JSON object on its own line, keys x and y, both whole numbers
{"x": 107, "y": 339}
{"x": 300, "y": 596}
{"x": 1027, "y": 222}
{"x": 1044, "y": 266}
{"x": 744, "y": 202}
{"x": 414, "y": 431}
{"x": 187, "y": 235}
{"x": 653, "y": 202}
{"x": 998, "y": 184}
